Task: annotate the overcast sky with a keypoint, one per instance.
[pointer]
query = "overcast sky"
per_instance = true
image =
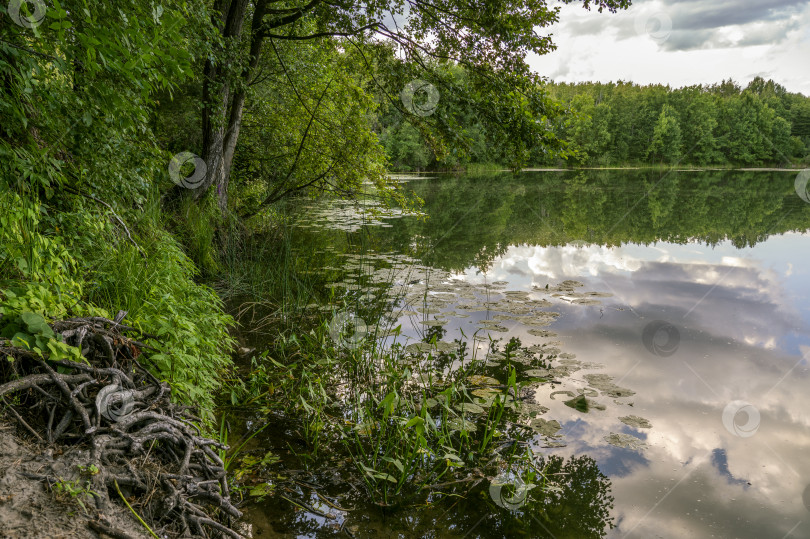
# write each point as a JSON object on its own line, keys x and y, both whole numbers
{"x": 683, "y": 42}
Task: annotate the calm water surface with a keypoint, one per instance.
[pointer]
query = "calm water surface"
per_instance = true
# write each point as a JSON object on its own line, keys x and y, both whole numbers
{"x": 707, "y": 322}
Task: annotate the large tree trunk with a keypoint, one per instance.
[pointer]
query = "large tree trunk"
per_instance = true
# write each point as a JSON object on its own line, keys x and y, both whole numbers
{"x": 216, "y": 122}
{"x": 238, "y": 105}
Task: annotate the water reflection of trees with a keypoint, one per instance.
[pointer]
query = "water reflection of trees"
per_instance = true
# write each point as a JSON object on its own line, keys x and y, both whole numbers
{"x": 579, "y": 509}
{"x": 475, "y": 219}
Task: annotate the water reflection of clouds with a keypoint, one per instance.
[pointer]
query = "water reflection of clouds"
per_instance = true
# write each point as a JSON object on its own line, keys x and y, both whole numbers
{"x": 651, "y": 281}
{"x": 743, "y": 318}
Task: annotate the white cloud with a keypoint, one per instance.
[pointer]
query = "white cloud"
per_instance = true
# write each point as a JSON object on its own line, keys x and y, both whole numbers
{"x": 683, "y": 43}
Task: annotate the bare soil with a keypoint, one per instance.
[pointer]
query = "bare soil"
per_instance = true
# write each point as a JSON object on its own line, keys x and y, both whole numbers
{"x": 30, "y": 508}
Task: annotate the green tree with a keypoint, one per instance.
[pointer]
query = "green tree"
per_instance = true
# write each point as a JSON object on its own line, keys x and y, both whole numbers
{"x": 698, "y": 113}
{"x": 666, "y": 142}
{"x": 490, "y": 41}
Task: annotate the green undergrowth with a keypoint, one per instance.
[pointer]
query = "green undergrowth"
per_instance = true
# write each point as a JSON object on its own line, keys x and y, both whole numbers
{"x": 408, "y": 420}
{"x": 68, "y": 259}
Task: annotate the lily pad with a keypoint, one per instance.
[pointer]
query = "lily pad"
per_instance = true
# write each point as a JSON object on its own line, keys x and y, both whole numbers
{"x": 481, "y": 380}
{"x": 541, "y": 333}
{"x": 604, "y": 383}
{"x": 553, "y": 445}
{"x": 586, "y": 301}
{"x": 636, "y": 422}
{"x": 545, "y": 427}
{"x": 625, "y": 441}
{"x": 468, "y": 407}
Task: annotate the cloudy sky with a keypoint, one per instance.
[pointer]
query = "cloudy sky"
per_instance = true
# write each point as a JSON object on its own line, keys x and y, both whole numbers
{"x": 682, "y": 42}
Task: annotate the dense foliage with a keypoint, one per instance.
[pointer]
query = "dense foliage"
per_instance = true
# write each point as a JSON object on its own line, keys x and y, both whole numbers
{"x": 624, "y": 123}
{"x": 96, "y": 97}
{"x": 83, "y": 232}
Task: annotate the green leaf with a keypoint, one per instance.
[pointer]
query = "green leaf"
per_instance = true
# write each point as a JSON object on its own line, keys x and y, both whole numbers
{"x": 395, "y": 462}
{"x": 387, "y": 404}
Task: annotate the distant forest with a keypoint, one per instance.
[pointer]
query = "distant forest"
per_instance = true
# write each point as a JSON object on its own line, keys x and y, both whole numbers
{"x": 622, "y": 123}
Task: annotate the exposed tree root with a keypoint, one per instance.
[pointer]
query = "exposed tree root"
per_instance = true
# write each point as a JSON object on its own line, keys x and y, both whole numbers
{"x": 136, "y": 437}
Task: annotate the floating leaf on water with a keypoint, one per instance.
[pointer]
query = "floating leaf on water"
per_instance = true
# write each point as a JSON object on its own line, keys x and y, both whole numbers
{"x": 580, "y": 404}
{"x": 417, "y": 348}
{"x": 583, "y": 404}
{"x": 591, "y": 365}
{"x": 538, "y": 373}
{"x": 485, "y": 393}
{"x": 604, "y": 383}
{"x": 586, "y": 301}
{"x": 567, "y": 355}
{"x": 481, "y": 380}
{"x": 552, "y": 444}
{"x": 500, "y": 283}
{"x": 512, "y": 294}
{"x": 545, "y": 427}
{"x": 541, "y": 333}
{"x": 570, "y": 284}
{"x": 445, "y": 347}
{"x": 599, "y": 294}
{"x": 625, "y": 441}
{"x": 492, "y": 327}
{"x": 564, "y": 392}
{"x": 533, "y": 409}
{"x": 468, "y": 407}
{"x": 636, "y": 421}
{"x": 569, "y": 362}
{"x": 472, "y": 308}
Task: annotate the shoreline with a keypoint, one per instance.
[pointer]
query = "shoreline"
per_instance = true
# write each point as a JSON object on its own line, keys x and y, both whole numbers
{"x": 553, "y": 169}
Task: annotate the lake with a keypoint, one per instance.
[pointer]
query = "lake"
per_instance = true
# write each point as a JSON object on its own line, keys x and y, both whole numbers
{"x": 662, "y": 377}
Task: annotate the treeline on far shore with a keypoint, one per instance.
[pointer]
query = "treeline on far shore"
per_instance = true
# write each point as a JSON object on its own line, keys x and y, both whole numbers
{"x": 621, "y": 124}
